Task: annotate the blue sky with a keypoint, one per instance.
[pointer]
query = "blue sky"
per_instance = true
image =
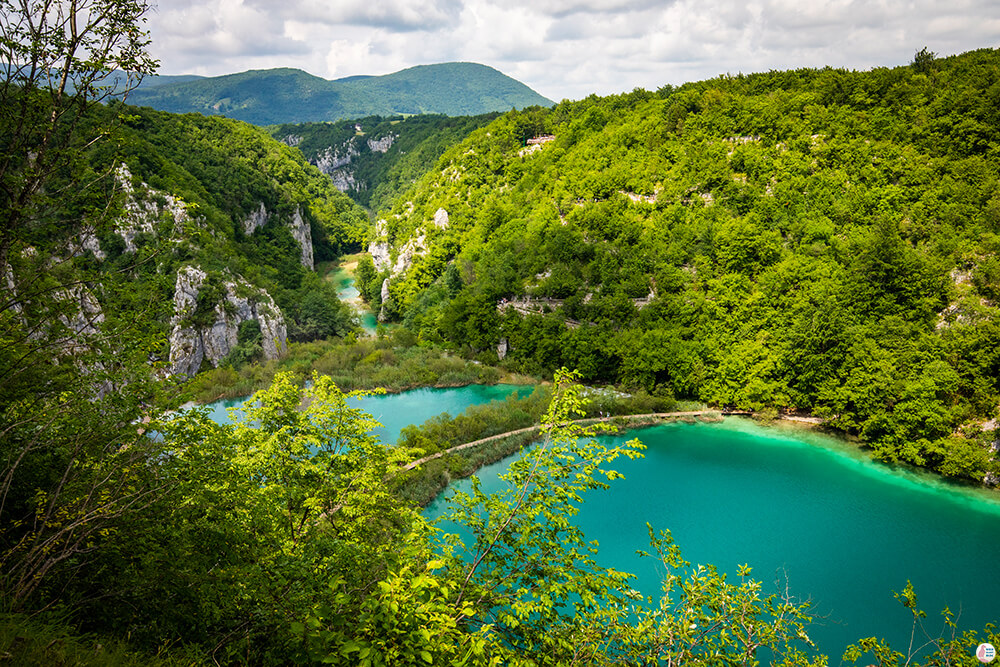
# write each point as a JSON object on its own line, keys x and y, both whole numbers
{"x": 564, "y": 49}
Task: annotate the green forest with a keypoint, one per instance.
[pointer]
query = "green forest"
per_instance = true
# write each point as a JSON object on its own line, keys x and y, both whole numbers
{"x": 812, "y": 240}
{"x": 805, "y": 240}
{"x": 417, "y": 142}
{"x": 285, "y": 95}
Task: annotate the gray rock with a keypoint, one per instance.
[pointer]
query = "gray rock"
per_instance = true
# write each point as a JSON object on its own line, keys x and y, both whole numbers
{"x": 142, "y": 212}
{"x": 441, "y": 219}
{"x": 379, "y": 248}
{"x": 190, "y": 345}
{"x": 255, "y": 220}
{"x": 382, "y": 317}
{"x": 343, "y": 180}
{"x": 303, "y": 235}
{"x": 329, "y": 159}
{"x": 414, "y": 247}
{"x": 381, "y": 145}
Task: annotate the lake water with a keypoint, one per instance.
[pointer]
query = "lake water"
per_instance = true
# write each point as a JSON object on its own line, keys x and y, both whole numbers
{"x": 795, "y": 505}
{"x": 810, "y": 510}
{"x": 416, "y": 406}
{"x": 349, "y": 294}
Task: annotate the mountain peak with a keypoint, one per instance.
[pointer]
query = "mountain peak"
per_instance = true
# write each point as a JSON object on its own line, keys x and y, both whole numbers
{"x": 289, "y": 95}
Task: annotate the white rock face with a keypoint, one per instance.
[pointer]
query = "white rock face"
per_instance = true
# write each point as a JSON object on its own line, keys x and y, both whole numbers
{"x": 343, "y": 180}
{"x": 380, "y": 255}
{"x": 385, "y": 297}
{"x": 255, "y": 220}
{"x": 303, "y": 235}
{"x": 379, "y": 248}
{"x": 300, "y": 229}
{"x": 381, "y": 145}
{"x": 191, "y": 345}
{"x": 415, "y": 247}
{"x": 330, "y": 159}
{"x": 441, "y": 219}
{"x": 140, "y": 215}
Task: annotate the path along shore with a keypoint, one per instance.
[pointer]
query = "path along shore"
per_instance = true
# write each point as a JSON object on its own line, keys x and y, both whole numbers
{"x": 658, "y": 416}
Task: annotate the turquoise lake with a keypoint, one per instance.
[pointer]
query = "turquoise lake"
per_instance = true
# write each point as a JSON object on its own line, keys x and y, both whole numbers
{"x": 416, "y": 406}
{"x": 804, "y": 509}
{"x": 795, "y": 505}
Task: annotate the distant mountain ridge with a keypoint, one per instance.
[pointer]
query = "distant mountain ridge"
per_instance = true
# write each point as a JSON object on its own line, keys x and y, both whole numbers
{"x": 286, "y": 95}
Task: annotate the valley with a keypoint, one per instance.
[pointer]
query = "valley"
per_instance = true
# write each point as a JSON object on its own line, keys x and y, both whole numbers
{"x": 390, "y": 254}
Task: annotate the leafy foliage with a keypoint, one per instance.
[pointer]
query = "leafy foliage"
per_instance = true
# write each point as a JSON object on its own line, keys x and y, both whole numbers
{"x": 814, "y": 240}
{"x": 380, "y": 176}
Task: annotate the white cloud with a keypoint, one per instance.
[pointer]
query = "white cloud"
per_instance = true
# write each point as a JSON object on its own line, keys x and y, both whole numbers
{"x": 565, "y": 48}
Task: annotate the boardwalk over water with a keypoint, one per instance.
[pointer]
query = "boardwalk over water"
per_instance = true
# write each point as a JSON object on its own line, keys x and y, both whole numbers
{"x": 662, "y": 416}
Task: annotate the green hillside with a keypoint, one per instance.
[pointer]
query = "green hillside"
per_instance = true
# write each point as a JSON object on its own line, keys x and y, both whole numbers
{"x": 183, "y": 189}
{"x": 268, "y": 97}
{"x": 375, "y": 164}
{"x": 815, "y": 240}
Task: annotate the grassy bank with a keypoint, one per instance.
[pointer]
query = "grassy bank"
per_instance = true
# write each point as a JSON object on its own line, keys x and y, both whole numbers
{"x": 391, "y": 361}
{"x": 443, "y": 432}
{"x": 48, "y": 639}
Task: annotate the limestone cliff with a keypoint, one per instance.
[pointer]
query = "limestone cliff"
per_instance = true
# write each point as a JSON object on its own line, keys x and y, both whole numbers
{"x": 144, "y": 209}
{"x": 416, "y": 246}
{"x": 303, "y": 236}
{"x": 381, "y": 145}
{"x": 196, "y": 338}
{"x": 299, "y": 227}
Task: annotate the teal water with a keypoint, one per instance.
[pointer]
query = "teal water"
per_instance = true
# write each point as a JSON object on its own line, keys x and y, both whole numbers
{"x": 395, "y": 411}
{"x": 799, "y": 508}
{"x": 346, "y": 291}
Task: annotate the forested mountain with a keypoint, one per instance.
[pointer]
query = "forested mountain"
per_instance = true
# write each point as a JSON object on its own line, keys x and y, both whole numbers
{"x": 375, "y": 159}
{"x": 210, "y": 240}
{"x": 267, "y": 97}
{"x": 818, "y": 240}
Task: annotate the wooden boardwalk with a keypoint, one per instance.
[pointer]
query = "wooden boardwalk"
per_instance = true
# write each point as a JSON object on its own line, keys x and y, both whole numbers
{"x": 591, "y": 420}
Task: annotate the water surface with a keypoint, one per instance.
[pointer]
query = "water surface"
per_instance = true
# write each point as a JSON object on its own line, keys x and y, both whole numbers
{"x": 395, "y": 411}
{"x": 804, "y": 509}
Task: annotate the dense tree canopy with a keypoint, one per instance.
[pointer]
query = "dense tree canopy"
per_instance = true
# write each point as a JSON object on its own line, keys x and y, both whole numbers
{"x": 817, "y": 240}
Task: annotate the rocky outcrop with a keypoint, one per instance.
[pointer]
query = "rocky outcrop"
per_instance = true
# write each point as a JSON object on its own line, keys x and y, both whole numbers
{"x": 381, "y": 145}
{"x": 414, "y": 247}
{"x": 192, "y": 342}
{"x": 302, "y": 233}
{"x": 378, "y": 248}
{"x": 255, "y": 220}
{"x": 299, "y": 227}
{"x": 329, "y": 159}
{"x": 385, "y": 297}
{"x": 343, "y": 180}
{"x": 441, "y": 219}
{"x": 143, "y": 208}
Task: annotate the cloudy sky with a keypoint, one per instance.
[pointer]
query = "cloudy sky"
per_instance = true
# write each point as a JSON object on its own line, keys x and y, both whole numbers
{"x": 564, "y": 49}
